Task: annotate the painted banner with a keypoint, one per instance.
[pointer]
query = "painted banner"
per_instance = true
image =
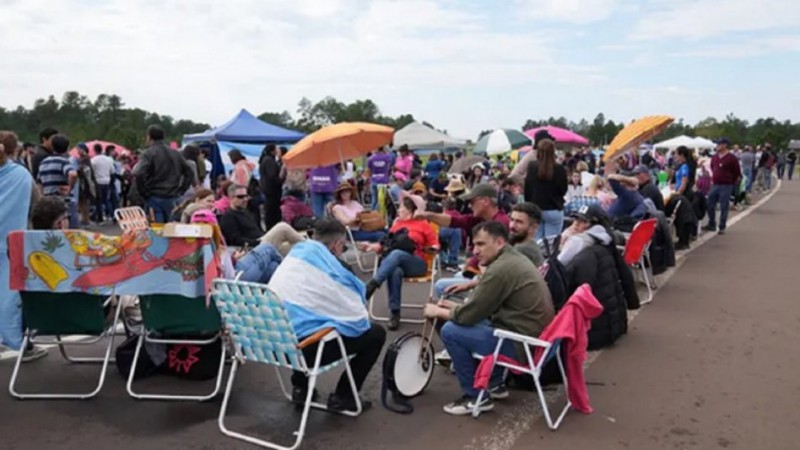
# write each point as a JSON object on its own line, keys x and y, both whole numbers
{"x": 139, "y": 262}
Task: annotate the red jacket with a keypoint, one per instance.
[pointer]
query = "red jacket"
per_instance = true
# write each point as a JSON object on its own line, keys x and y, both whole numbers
{"x": 571, "y": 325}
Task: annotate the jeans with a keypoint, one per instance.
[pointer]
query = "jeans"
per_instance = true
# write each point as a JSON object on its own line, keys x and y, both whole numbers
{"x": 748, "y": 173}
{"x": 375, "y": 195}
{"x": 393, "y": 268}
{"x": 103, "y": 203}
{"x": 720, "y": 193}
{"x": 552, "y": 224}
{"x": 318, "y": 202}
{"x": 74, "y": 217}
{"x": 462, "y": 341}
{"x": 767, "y": 178}
{"x": 790, "y": 170}
{"x": 366, "y": 349}
{"x": 781, "y": 170}
{"x": 161, "y": 208}
{"x": 368, "y": 236}
{"x": 444, "y": 283}
{"x": 259, "y": 264}
{"x": 452, "y": 236}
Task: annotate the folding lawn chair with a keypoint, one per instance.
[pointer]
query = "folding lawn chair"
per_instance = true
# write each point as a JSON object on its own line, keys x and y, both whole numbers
{"x": 434, "y": 268}
{"x": 550, "y": 350}
{"x": 167, "y": 317}
{"x": 636, "y": 253}
{"x": 257, "y": 323}
{"x": 131, "y": 218}
{"x": 60, "y": 314}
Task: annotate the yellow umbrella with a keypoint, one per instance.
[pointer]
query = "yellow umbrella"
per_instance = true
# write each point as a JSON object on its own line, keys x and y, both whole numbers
{"x": 336, "y": 143}
{"x": 635, "y": 133}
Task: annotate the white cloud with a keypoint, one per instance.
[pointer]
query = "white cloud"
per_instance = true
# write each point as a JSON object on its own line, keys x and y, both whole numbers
{"x": 744, "y": 49}
{"x": 698, "y": 19}
{"x": 573, "y": 11}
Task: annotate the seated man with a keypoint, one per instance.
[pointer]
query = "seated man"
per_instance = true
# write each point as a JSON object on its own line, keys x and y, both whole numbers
{"x": 647, "y": 188}
{"x": 511, "y": 295}
{"x": 239, "y": 226}
{"x": 629, "y": 202}
{"x": 320, "y": 291}
{"x": 590, "y": 227}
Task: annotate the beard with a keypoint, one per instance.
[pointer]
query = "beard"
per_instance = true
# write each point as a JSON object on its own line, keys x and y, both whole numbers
{"x": 517, "y": 238}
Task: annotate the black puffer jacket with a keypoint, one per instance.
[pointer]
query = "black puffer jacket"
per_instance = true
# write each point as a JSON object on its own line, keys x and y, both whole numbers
{"x": 598, "y": 266}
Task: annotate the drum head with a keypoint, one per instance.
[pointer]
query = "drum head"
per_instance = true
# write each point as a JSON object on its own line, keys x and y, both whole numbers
{"x": 412, "y": 375}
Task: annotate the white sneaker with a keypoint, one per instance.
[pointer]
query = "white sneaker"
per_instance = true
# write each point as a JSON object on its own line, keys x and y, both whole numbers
{"x": 465, "y": 405}
{"x": 34, "y": 353}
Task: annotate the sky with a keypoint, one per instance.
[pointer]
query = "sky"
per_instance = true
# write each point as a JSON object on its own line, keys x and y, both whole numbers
{"x": 464, "y": 66}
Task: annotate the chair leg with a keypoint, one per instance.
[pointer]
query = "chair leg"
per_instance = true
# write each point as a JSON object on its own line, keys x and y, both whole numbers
{"x": 476, "y": 411}
{"x": 197, "y": 398}
{"x": 647, "y": 281}
{"x": 543, "y": 401}
{"x": 350, "y": 378}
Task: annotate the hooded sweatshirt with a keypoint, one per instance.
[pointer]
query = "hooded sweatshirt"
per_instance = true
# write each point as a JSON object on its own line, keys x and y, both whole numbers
{"x": 575, "y": 244}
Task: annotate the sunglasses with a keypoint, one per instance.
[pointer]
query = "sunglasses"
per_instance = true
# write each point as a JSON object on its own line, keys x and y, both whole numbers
{"x": 242, "y": 197}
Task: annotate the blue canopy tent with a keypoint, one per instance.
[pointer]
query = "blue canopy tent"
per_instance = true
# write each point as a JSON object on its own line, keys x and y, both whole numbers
{"x": 245, "y": 132}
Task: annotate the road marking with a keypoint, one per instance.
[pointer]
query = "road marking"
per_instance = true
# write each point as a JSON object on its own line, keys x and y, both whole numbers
{"x": 515, "y": 421}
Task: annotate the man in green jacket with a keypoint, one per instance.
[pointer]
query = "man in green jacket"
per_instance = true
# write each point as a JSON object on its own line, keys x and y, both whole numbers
{"x": 511, "y": 295}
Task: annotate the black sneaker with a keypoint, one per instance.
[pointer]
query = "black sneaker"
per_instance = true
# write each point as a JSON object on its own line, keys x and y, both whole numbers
{"x": 339, "y": 404}
{"x": 299, "y": 395}
{"x": 682, "y": 247}
{"x": 710, "y": 228}
{"x": 394, "y": 322}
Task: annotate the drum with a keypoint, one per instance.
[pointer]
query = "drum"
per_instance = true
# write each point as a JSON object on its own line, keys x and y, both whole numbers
{"x": 407, "y": 368}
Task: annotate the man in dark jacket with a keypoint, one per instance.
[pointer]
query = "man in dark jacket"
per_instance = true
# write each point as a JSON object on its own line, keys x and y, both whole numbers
{"x": 239, "y": 226}
{"x": 271, "y": 185}
{"x": 647, "y": 188}
{"x": 162, "y": 175}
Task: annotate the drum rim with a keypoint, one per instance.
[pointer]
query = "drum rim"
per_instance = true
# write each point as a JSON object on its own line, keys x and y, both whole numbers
{"x": 429, "y": 376}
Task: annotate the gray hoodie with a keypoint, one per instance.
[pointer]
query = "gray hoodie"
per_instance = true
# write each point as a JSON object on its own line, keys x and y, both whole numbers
{"x": 576, "y": 243}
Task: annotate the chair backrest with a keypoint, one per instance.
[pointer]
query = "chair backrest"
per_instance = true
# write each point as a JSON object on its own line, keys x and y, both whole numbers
{"x": 131, "y": 218}
{"x": 176, "y": 314}
{"x": 675, "y": 210}
{"x": 639, "y": 240}
{"x": 52, "y": 313}
{"x": 257, "y": 322}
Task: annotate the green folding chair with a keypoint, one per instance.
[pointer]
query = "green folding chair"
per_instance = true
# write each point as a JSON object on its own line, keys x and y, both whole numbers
{"x": 62, "y": 314}
{"x": 164, "y": 318}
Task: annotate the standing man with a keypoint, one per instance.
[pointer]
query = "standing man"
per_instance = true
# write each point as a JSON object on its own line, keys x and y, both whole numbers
{"x": 747, "y": 159}
{"x": 324, "y": 180}
{"x": 58, "y": 176}
{"x": 380, "y": 168}
{"x": 162, "y": 175}
{"x": 104, "y": 170}
{"x": 42, "y": 151}
{"x": 16, "y": 190}
{"x": 781, "y": 163}
{"x": 511, "y": 296}
{"x": 791, "y": 160}
{"x": 271, "y": 185}
{"x": 725, "y": 174}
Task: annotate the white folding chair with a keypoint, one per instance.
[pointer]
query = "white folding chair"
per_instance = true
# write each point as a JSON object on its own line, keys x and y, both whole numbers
{"x": 533, "y": 368}
{"x": 256, "y": 321}
{"x": 131, "y": 218}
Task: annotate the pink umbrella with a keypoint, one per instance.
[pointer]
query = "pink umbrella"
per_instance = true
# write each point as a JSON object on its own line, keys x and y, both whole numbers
{"x": 561, "y": 135}
{"x": 119, "y": 149}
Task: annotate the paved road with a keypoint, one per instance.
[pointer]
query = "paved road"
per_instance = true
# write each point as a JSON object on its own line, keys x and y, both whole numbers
{"x": 712, "y": 363}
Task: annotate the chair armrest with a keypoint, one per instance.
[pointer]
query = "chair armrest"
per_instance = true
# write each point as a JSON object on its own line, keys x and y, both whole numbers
{"x": 521, "y": 338}
{"x": 314, "y": 338}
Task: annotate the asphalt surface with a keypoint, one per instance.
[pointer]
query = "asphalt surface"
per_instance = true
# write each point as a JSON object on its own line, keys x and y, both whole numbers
{"x": 711, "y": 363}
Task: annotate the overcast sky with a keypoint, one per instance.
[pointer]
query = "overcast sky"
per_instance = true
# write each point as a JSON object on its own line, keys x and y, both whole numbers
{"x": 461, "y": 65}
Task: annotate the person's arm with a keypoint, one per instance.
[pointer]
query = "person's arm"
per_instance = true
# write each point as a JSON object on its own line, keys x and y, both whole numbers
{"x": 443, "y": 220}
{"x": 484, "y": 302}
{"x": 142, "y": 173}
{"x": 431, "y": 238}
{"x": 189, "y": 176}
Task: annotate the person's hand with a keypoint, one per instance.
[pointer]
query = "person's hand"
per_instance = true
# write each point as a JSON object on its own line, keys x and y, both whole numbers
{"x": 446, "y": 304}
{"x": 431, "y": 311}
{"x": 239, "y": 254}
{"x": 457, "y": 288}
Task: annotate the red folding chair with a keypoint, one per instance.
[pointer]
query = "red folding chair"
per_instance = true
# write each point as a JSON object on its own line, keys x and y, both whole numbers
{"x": 636, "y": 252}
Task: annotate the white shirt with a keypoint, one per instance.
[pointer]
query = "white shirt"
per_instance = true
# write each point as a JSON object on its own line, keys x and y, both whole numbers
{"x": 207, "y": 179}
{"x": 103, "y": 167}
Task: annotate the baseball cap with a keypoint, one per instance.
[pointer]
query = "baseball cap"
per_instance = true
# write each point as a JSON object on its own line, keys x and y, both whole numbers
{"x": 593, "y": 214}
{"x": 724, "y": 140}
{"x": 641, "y": 168}
{"x": 480, "y": 190}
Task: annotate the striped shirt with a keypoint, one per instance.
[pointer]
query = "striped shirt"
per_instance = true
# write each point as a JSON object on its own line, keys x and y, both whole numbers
{"x": 54, "y": 174}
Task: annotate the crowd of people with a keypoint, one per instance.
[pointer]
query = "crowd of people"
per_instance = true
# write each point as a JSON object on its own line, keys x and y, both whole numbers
{"x": 532, "y": 231}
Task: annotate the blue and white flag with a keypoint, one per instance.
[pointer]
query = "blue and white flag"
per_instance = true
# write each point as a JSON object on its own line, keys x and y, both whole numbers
{"x": 319, "y": 292}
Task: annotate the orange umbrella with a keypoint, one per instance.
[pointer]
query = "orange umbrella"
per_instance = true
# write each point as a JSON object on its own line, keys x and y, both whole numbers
{"x": 336, "y": 143}
{"x": 635, "y": 133}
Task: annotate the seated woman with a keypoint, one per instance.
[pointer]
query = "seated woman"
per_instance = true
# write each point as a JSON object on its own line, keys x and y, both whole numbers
{"x": 202, "y": 199}
{"x": 400, "y": 263}
{"x": 345, "y": 209}
{"x": 591, "y": 196}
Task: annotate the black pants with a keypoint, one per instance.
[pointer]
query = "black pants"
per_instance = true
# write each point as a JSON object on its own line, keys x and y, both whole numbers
{"x": 366, "y": 349}
{"x": 272, "y": 211}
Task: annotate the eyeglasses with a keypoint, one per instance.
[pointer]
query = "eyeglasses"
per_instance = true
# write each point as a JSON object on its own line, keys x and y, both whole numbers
{"x": 242, "y": 197}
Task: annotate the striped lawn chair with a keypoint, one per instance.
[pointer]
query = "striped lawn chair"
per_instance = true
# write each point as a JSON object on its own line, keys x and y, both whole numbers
{"x": 257, "y": 323}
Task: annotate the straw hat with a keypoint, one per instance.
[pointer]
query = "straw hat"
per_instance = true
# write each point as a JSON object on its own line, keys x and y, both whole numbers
{"x": 345, "y": 187}
{"x": 455, "y": 185}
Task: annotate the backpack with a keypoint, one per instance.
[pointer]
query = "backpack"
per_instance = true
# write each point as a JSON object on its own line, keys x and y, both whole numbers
{"x": 193, "y": 361}
{"x": 555, "y": 274}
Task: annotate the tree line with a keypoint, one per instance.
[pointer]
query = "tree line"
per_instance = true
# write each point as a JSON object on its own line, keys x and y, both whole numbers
{"x": 107, "y": 118}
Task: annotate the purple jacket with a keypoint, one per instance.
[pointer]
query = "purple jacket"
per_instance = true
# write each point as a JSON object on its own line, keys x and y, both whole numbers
{"x": 380, "y": 165}
{"x": 324, "y": 180}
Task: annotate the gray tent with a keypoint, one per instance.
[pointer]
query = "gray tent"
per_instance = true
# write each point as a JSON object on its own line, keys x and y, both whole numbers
{"x": 422, "y": 137}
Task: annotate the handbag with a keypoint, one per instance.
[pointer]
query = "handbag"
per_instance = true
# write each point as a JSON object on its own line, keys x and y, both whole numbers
{"x": 371, "y": 221}
{"x": 398, "y": 240}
